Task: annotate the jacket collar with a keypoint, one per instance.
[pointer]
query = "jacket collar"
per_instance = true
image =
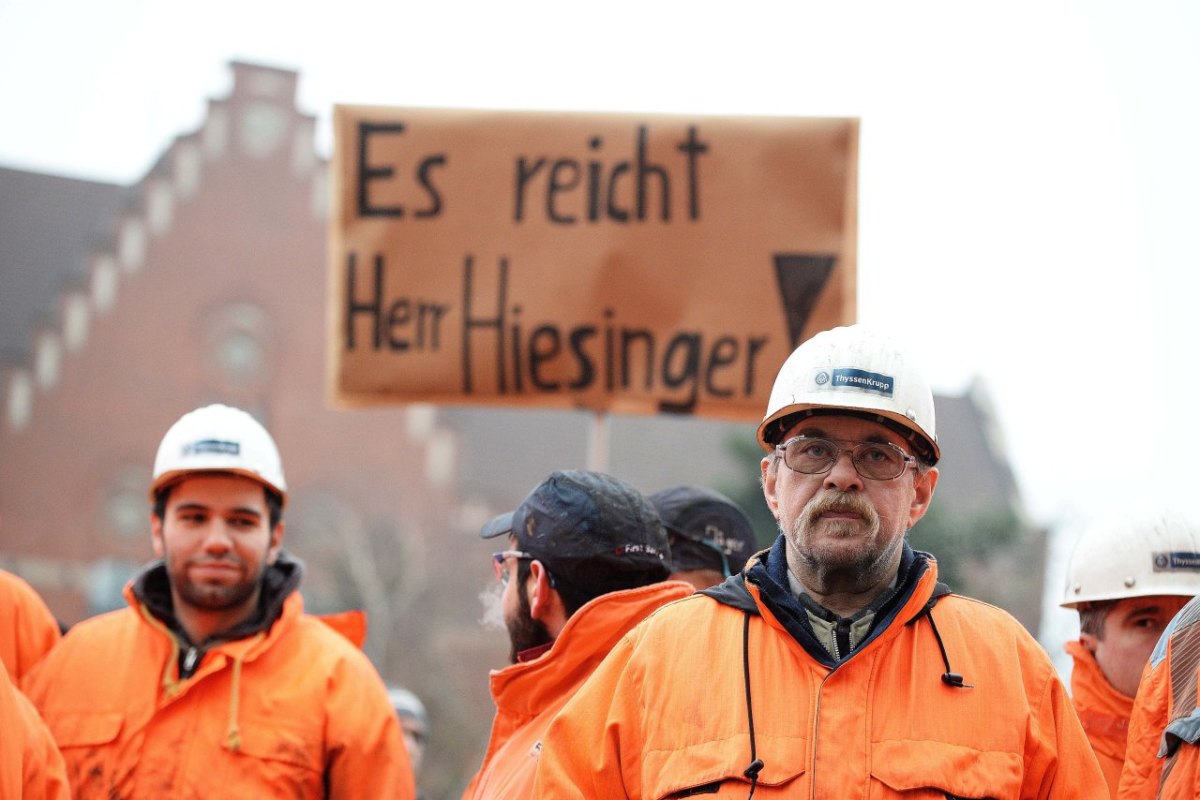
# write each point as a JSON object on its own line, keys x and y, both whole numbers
{"x": 529, "y": 687}
{"x": 763, "y": 585}
{"x": 1103, "y": 710}
{"x": 152, "y": 589}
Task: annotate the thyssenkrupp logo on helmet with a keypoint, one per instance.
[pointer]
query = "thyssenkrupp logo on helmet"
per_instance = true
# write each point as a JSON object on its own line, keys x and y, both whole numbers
{"x": 1175, "y": 561}
{"x": 850, "y": 378}
{"x": 211, "y": 446}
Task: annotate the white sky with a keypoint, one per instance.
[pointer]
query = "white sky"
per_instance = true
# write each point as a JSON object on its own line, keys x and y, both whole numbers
{"x": 1028, "y": 182}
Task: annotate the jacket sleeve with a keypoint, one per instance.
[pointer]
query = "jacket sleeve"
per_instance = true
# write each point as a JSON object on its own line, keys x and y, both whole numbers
{"x": 366, "y": 751}
{"x": 1059, "y": 761}
{"x": 592, "y": 747}
{"x": 27, "y": 628}
{"x": 1143, "y": 768}
{"x": 45, "y": 772}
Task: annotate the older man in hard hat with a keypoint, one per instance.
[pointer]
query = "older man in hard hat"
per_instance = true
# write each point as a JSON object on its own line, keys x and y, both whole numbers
{"x": 835, "y": 665}
{"x": 1129, "y": 574}
{"x": 213, "y": 682}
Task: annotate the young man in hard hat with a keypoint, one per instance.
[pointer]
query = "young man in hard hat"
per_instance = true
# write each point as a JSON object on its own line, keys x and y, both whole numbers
{"x": 585, "y": 561}
{"x": 213, "y": 682}
{"x": 835, "y": 665}
{"x": 710, "y": 537}
{"x": 1128, "y": 575}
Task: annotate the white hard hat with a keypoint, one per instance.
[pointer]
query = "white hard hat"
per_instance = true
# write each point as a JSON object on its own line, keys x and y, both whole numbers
{"x": 858, "y": 370}
{"x": 218, "y": 438}
{"x": 1134, "y": 555}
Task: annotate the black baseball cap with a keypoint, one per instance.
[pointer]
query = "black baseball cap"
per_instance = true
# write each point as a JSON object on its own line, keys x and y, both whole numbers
{"x": 704, "y": 525}
{"x": 591, "y": 530}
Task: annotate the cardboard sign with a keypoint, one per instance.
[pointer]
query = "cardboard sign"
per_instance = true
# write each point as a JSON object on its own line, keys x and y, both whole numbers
{"x": 628, "y": 263}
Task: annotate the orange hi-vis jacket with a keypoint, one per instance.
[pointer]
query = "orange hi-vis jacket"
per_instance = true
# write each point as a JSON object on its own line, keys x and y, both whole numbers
{"x": 731, "y": 683}
{"x": 291, "y": 711}
{"x": 1162, "y": 756}
{"x": 30, "y": 765}
{"x": 1103, "y": 711}
{"x": 27, "y": 628}
{"x": 529, "y": 694}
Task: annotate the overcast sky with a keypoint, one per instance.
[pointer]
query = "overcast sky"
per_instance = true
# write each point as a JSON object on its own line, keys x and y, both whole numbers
{"x": 1028, "y": 178}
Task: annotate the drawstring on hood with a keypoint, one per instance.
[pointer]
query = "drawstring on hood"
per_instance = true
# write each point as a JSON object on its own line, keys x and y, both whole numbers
{"x": 756, "y": 763}
{"x": 949, "y": 677}
{"x": 233, "y": 737}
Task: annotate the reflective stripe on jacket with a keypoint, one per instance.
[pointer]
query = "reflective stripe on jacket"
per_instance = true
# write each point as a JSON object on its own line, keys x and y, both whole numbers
{"x": 27, "y": 628}
{"x": 1103, "y": 711}
{"x": 1162, "y": 757}
{"x": 666, "y": 714}
{"x": 293, "y": 711}
{"x": 528, "y": 695}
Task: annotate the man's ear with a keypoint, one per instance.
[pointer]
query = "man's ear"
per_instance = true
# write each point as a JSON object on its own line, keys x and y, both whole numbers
{"x": 542, "y": 596}
{"x": 156, "y": 535}
{"x": 276, "y": 542}
{"x": 1088, "y": 640}
{"x": 923, "y": 485}
{"x": 769, "y": 472}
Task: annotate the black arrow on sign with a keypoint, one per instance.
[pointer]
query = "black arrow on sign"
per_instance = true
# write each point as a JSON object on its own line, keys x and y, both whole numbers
{"x": 801, "y": 278}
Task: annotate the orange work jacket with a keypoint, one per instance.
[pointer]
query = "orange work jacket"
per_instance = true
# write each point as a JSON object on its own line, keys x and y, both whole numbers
{"x": 1103, "y": 711}
{"x": 27, "y": 628}
{"x": 294, "y": 711}
{"x": 1162, "y": 755}
{"x": 528, "y": 695}
{"x": 30, "y": 764}
{"x": 668, "y": 714}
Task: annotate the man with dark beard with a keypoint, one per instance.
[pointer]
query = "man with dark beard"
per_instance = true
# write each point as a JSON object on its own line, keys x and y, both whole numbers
{"x": 213, "y": 682}
{"x": 834, "y": 665}
{"x": 586, "y": 560}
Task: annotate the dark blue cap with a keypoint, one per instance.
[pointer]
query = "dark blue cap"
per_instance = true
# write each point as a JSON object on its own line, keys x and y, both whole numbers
{"x": 701, "y": 523}
{"x": 589, "y": 529}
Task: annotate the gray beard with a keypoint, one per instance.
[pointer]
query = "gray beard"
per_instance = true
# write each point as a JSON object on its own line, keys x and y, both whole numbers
{"x": 852, "y": 577}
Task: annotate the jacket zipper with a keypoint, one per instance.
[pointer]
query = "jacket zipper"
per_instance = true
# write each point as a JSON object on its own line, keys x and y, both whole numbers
{"x": 189, "y": 662}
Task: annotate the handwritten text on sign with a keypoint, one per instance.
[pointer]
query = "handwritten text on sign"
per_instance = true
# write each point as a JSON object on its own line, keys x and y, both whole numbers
{"x": 636, "y": 264}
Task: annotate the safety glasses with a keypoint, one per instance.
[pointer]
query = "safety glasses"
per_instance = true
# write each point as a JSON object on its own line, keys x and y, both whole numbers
{"x": 498, "y": 560}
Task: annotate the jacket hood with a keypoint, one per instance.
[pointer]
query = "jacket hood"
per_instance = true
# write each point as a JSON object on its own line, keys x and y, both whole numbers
{"x": 152, "y": 588}
{"x": 593, "y": 630}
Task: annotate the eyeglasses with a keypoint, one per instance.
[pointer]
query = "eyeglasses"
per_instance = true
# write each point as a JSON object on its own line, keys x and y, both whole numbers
{"x": 876, "y": 461}
{"x": 498, "y": 560}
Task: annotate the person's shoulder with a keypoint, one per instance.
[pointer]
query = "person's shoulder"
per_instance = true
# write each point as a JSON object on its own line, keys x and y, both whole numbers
{"x": 16, "y": 590}
{"x": 99, "y": 630}
{"x": 102, "y": 624}
{"x": 682, "y": 619}
{"x": 974, "y": 608}
{"x": 328, "y": 657}
{"x": 314, "y": 638}
{"x": 981, "y": 621}
{"x": 113, "y": 634}
{"x": 694, "y": 604}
